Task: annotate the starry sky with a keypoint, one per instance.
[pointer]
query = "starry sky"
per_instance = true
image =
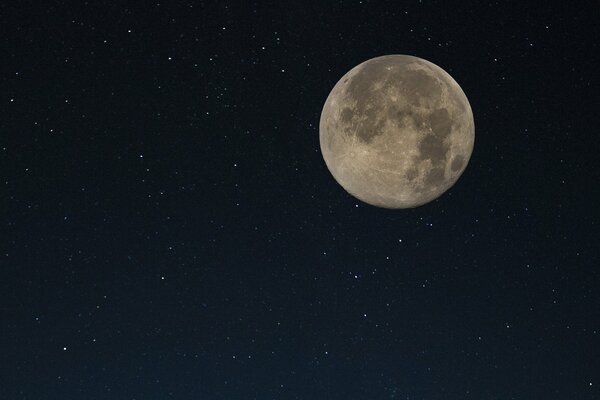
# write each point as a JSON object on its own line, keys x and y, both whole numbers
{"x": 169, "y": 229}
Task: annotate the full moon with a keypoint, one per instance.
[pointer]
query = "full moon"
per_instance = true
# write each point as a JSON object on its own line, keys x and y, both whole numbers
{"x": 396, "y": 131}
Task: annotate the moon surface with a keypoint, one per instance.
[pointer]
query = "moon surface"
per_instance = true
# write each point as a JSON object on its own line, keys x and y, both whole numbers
{"x": 396, "y": 131}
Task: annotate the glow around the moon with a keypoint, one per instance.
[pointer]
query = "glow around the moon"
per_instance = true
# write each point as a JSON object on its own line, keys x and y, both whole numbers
{"x": 396, "y": 131}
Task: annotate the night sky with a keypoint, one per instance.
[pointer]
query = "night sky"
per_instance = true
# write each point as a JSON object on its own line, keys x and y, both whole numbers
{"x": 169, "y": 229}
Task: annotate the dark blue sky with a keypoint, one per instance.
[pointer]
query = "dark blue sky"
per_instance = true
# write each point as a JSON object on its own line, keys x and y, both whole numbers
{"x": 169, "y": 229}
